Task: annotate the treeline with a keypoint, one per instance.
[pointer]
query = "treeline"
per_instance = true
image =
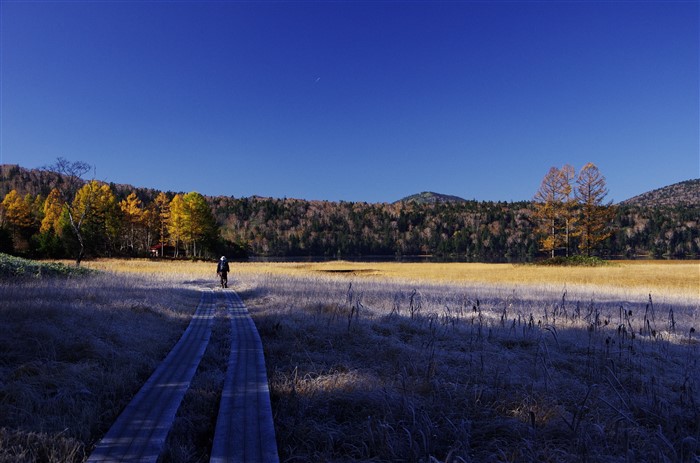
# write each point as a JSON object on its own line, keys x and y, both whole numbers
{"x": 78, "y": 218}
{"x": 97, "y": 219}
{"x": 473, "y": 231}
{"x": 478, "y": 231}
{"x": 97, "y": 223}
{"x": 656, "y": 231}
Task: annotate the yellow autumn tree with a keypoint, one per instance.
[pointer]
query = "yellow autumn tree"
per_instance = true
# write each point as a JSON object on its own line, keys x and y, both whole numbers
{"x": 18, "y": 216}
{"x": 191, "y": 223}
{"x": 570, "y": 205}
{"x": 18, "y": 213}
{"x": 162, "y": 206}
{"x": 132, "y": 213}
{"x": 200, "y": 224}
{"x": 53, "y": 210}
{"x": 550, "y": 210}
{"x": 176, "y": 222}
{"x": 93, "y": 211}
{"x": 149, "y": 227}
{"x": 596, "y": 216}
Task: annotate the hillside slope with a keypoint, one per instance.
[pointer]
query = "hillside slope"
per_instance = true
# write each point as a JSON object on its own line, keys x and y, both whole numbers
{"x": 685, "y": 193}
{"x": 40, "y": 182}
{"x": 430, "y": 197}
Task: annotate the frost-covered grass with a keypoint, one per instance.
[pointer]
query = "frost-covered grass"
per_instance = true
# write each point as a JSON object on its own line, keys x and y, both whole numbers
{"x": 369, "y": 370}
{"x": 371, "y": 362}
{"x": 74, "y": 351}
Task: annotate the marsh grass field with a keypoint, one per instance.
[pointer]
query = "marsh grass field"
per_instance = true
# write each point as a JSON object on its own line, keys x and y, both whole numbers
{"x": 372, "y": 361}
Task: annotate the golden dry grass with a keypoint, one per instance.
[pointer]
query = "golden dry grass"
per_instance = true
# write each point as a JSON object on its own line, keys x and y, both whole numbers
{"x": 681, "y": 277}
{"x": 670, "y": 278}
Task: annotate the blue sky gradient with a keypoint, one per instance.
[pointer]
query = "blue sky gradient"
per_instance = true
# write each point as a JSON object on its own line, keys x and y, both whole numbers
{"x": 354, "y": 101}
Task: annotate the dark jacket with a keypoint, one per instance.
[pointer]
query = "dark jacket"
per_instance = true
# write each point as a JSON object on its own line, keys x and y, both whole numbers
{"x": 222, "y": 267}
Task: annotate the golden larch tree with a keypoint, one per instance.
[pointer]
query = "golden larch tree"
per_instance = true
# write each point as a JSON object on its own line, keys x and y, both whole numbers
{"x": 176, "y": 222}
{"x": 199, "y": 221}
{"x": 550, "y": 211}
{"x": 595, "y": 215}
{"x": 132, "y": 212}
{"x": 53, "y": 210}
{"x": 18, "y": 212}
{"x": 162, "y": 204}
{"x": 93, "y": 212}
{"x": 18, "y": 215}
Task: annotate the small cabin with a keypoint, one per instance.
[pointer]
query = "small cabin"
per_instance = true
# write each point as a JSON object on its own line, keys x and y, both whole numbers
{"x": 162, "y": 250}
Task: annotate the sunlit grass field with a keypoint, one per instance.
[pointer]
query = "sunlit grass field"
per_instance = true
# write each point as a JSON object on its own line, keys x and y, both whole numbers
{"x": 670, "y": 278}
{"x": 415, "y": 362}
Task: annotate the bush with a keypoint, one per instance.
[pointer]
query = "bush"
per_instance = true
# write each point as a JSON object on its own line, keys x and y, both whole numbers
{"x": 575, "y": 261}
{"x": 11, "y": 266}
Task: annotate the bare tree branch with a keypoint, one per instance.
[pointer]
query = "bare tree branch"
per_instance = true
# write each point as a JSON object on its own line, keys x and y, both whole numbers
{"x": 72, "y": 172}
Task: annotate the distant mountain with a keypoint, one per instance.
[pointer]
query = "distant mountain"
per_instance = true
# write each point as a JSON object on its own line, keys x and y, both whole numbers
{"x": 429, "y": 197}
{"x": 685, "y": 193}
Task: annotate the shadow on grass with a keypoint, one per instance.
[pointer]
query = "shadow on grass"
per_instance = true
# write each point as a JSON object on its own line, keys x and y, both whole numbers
{"x": 74, "y": 352}
{"x": 474, "y": 385}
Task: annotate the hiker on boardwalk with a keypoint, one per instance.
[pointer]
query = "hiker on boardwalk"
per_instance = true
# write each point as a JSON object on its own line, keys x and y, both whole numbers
{"x": 222, "y": 270}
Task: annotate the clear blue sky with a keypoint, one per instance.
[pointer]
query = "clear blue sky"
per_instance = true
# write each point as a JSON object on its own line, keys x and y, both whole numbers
{"x": 355, "y": 101}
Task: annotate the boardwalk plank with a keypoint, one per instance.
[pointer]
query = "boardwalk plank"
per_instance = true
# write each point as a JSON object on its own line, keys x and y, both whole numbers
{"x": 244, "y": 427}
{"x": 139, "y": 433}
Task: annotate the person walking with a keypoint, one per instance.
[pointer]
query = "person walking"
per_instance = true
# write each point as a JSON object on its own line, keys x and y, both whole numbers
{"x": 222, "y": 270}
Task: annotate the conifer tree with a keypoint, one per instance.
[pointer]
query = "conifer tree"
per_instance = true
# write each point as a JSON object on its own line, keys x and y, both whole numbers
{"x": 176, "y": 222}
{"x": 17, "y": 210}
{"x": 18, "y": 215}
{"x": 550, "y": 212}
{"x": 162, "y": 205}
{"x": 200, "y": 224}
{"x": 132, "y": 212}
{"x": 97, "y": 208}
{"x": 53, "y": 210}
{"x": 570, "y": 205}
{"x": 595, "y": 215}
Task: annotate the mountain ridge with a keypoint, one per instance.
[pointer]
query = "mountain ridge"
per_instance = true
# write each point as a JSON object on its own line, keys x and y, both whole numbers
{"x": 483, "y": 231}
{"x": 685, "y": 193}
{"x": 431, "y": 197}
{"x": 37, "y": 181}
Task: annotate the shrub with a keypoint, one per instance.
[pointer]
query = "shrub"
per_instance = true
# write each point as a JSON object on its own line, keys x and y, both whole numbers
{"x": 575, "y": 261}
{"x": 11, "y": 267}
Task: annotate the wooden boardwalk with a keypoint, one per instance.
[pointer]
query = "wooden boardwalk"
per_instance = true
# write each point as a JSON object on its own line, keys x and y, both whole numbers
{"x": 244, "y": 430}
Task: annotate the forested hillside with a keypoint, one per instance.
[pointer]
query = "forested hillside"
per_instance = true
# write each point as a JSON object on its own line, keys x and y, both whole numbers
{"x": 685, "y": 193}
{"x": 132, "y": 221}
{"x": 429, "y": 197}
{"x": 482, "y": 231}
{"x": 476, "y": 231}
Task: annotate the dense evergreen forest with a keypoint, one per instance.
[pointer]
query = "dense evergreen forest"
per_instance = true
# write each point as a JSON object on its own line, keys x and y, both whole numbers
{"x": 133, "y": 221}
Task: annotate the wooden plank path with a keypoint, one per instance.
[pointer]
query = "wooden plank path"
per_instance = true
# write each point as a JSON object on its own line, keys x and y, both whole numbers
{"x": 244, "y": 428}
{"x": 139, "y": 433}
